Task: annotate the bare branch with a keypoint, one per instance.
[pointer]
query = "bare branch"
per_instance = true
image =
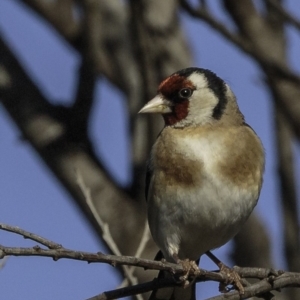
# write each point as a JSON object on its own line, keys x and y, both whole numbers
{"x": 107, "y": 237}
{"x": 59, "y": 14}
{"x": 287, "y": 195}
{"x": 261, "y": 287}
{"x": 51, "y": 137}
{"x": 285, "y": 14}
{"x": 269, "y": 279}
{"x": 160, "y": 48}
{"x": 28, "y": 235}
{"x": 137, "y": 289}
{"x": 265, "y": 285}
{"x": 202, "y": 13}
{"x": 59, "y": 252}
{"x": 64, "y": 253}
{"x": 244, "y": 16}
{"x": 144, "y": 241}
{"x": 104, "y": 226}
{"x": 82, "y": 106}
{"x": 139, "y": 251}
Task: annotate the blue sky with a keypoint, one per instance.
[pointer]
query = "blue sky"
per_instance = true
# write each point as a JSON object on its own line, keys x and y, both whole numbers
{"x": 31, "y": 197}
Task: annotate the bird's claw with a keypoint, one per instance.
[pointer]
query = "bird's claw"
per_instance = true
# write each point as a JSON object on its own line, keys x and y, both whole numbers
{"x": 232, "y": 278}
{"x": 190, "y": 268}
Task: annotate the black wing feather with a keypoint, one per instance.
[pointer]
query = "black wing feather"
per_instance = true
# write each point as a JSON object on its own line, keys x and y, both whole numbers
{"x": 148, "y": 178}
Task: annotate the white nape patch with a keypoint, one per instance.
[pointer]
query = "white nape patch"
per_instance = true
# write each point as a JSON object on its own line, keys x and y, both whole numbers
{"x": 201, "y": 103}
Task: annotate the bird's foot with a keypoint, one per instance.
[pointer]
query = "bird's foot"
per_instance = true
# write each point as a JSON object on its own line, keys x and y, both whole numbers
{"x": 233, "y": 278}
{"x": 190, "y": 269}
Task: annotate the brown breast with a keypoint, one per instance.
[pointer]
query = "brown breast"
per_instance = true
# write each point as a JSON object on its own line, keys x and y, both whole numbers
{"x": 172, "y": 165}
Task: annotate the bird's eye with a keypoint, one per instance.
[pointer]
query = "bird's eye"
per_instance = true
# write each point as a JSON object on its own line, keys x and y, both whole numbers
{"x": 185, "y": 93}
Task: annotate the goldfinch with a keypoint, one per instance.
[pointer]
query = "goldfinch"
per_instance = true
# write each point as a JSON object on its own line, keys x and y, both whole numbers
{"x": 205, "y": 170}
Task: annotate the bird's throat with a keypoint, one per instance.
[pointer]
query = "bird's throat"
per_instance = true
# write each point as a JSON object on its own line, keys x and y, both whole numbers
{"x": 180, "y": 112}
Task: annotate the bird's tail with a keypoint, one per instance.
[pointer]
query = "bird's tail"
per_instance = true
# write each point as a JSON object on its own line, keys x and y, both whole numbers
{"x": 172, "y": 293}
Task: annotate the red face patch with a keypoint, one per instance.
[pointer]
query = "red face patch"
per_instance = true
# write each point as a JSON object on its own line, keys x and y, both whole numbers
{"x": 170, "y": 88}
{"x": 179, "y": 112}
{"x": 173, "y": 84}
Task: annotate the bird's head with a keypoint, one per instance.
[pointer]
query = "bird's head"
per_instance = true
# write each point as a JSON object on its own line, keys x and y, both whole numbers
{"x": 194, "y": 96}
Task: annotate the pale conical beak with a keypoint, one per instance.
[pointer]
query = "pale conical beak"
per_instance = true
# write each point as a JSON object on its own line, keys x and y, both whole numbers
{"x": 157, "y": 105}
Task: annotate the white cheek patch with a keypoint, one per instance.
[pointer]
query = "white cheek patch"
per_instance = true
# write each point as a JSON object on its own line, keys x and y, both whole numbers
{"x": 201, "y": 106}
{"x": 202, "y": 102}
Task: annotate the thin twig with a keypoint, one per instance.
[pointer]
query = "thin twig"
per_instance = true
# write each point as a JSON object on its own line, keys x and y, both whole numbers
{"x": 104, "y": 226}
{"x": 107, "y": 237}
{"x": 144, "y": 241}
{"x": 114, "y": 260}
{"x": 139, "y": 251}
{"x": 28, "y": 235}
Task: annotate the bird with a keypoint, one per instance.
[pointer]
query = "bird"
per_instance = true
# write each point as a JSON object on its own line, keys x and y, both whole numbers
{"x": 205, "y": 170}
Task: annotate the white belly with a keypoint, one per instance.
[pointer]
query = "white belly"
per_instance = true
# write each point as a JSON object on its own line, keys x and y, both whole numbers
{"x": 192, "y": 222}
